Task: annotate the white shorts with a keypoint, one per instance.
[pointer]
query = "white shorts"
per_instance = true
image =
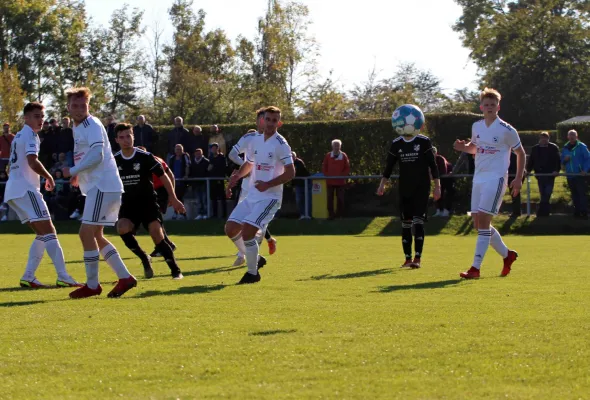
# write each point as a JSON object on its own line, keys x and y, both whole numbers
{"x": 256, "y": 213}
{"x": 244, "y": 189}
{"x": 486, "y": 197}
{"x": 101, "y": 208}
{"x": 30, "y": 208}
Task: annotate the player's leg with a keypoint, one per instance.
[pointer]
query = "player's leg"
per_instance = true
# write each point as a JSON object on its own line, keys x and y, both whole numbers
{"x": 233, "y": 230}
{"x": 271, "y": 241}
{"x": 126, "y": 228}
{"x": 155, "y": 229}
{"x": 420, "y": 207}
{"x": 476, "y": 194}
{"x": 406, "y": 212}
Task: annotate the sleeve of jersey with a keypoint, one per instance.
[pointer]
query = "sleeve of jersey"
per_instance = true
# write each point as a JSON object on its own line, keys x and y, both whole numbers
{"x": 513, "y": 140}
{"x": 430, "y": 157}
{"x": 91, "y": 159}
{"x": 473, "y": 135}
{"x": 33, "y": 145}
{"x": 391, "y": 160}
{"x": 285, "y": 155}
{"x": 155, "y": 166}
{"x": 234, "y": 156}
{"x": 94, "y": 136}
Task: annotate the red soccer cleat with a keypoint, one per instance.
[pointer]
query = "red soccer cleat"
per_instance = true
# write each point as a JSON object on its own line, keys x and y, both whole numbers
{"x": 85, "y": 291}
{"x": 272, "y": 245}
{"x": 473, "y": 273}
{"x": 508, "y": 261}
{"x": 407, "y": 264}
{"x": 123, "y": 286}
{"x": 416, "y": 263}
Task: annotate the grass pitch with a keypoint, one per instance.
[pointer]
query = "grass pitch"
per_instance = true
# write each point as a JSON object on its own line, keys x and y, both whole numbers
{"x": 333, "y": 317}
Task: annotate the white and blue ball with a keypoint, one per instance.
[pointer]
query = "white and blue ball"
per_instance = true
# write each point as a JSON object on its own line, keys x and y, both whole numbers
{"x": 407, "y": 120}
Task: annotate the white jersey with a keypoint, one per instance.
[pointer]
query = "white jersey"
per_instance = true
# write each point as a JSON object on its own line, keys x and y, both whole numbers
{"x": 104, "y": 176}
{"x": 269, "y": 158}
{"x": 244, "y": 146}
{"x": 22, "y": 178}
{"x": 494, "y": 144}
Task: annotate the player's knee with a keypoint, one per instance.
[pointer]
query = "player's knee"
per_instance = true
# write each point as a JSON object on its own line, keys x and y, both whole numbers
{"x": 418, "y": 221}
{"x": 232, "y": 229}
{"x": 156, "y": 232}
{"x": 249, "y": 232}
{"x": 407, "y": 224}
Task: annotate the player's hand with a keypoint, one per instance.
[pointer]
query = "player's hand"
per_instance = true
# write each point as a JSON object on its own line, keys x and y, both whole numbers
{"x": 228, "y": 193}
{"x": 459, "y": 145}
{"x": 74, "y": 181}
{"x": 66, "y": 172}
{"x": 515, "y": 185}
{"x": 437, "y": 193}
{"x": 49, "y": 184}
{"x": 262, "y": 186}
{"x": 178, "y": 206}
{"x": 381, "y": 189}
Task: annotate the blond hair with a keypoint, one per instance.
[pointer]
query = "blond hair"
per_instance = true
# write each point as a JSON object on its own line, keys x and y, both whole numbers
{"x": 489, "y": 93}
{"x": 273, "y": 110}
{"x": 79, "y": 92}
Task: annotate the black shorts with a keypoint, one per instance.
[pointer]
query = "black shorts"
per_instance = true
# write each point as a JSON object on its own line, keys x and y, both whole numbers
{"x": 141, "y": 213}
{"x": 162, "y": 199}
{"x": 414, "y": 203}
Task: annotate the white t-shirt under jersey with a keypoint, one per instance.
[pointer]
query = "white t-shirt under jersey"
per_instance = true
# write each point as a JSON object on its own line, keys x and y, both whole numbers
{"x": 21, "y": 177}
{"x": 494, "y": 144}
{"x": 269, "y": 158}
{"x": 243, "y": 147}
{"x": 104, "y": 176}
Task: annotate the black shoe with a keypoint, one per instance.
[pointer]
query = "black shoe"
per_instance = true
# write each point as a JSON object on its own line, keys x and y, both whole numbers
{"x": 155, "y": 253}
{"x": 148, "y": 271}
{"x": 177, "y": 275}
{"x": 261, "y": 262}
{"x": 249, "y": 278}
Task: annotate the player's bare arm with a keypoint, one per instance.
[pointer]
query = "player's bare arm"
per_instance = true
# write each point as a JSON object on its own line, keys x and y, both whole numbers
{"x": 465, "y": 146}
{"x": 36, "y": 166}
{"x": 391, "y": 160}
{"x": 170, "y": 175}
{"x": 434, "y": 173}
{"x": 174, "y": 202}
{"x": 244, "y": 170}
{"x": 516, "y": 184}
{"x": 285, "y": 177}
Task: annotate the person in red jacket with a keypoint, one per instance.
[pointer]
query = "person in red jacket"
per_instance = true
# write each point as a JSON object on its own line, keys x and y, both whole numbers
{"x": 447, "y": 189}
{"x": 336, "y": 164}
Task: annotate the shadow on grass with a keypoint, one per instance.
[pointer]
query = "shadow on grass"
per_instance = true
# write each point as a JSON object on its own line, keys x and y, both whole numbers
{"x": 182, "y": 290}
{"x": 362, "y": 274}
{"x": 465, "y": 228}
{"x": 423, "y": 285}
{"x": 82, "y": 261}
{"x": 200, "y": 258}
{"x": 21, "y": 303}
{"x": 274, "y": 332}
{"x": 435, "y": 227}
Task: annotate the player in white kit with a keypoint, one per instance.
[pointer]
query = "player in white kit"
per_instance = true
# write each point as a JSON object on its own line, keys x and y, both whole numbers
{"x": 242, "y": 147}
{"x": 96, "y": 173}
{"x": 23, "y": 194}
{"x": 270, "y": 164}
{"x": 492, "y": 141}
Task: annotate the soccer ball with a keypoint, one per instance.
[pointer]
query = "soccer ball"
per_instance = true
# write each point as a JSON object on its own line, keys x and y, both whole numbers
{"x": 407, "y": 120}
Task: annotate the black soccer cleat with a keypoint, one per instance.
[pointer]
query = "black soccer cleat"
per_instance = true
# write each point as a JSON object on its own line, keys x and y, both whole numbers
{"x": 148, "y": 271}
{"x": 155, "y": 254}
{"x": 249, "y": 278}
{"x": 177, "y": 275}
{"x": 261, "y": 262}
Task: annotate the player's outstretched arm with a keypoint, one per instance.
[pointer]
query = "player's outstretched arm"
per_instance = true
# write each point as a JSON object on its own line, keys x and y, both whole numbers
{"x": 466, "y": 147}
{"x": 174, "y": 202}
{"x": 39, "y": 169}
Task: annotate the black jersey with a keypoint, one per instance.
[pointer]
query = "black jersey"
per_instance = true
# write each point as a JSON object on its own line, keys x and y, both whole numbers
{"x": 416, "y": 158}
{"x": 136, "y": 175}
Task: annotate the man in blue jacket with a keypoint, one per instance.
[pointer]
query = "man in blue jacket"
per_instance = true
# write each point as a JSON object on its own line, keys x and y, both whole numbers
{"x": 576, "y": 159}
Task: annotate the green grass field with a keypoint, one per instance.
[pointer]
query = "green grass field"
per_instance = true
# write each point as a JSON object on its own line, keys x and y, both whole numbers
{"x": 334, "y": 317}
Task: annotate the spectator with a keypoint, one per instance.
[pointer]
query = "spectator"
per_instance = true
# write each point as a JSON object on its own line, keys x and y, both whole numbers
{"x": 43, "y": 132}
{"x": 447, "y": 186}
{"x": 217, "y": 168}
{"x": 336, "y": 164}
{"x": 3, "y": 205}
{"x": 58, "y": 203}
{"x": 576, "y": 159}
{"x": 61, "y": 163}
{"x": 178, "y": 135}
{"x": 299, "y": 185}
{"x": 196, "y": 140}
{"x": 49, "y": 146}
{"x": 217, "y": 137}
{"x": 110, "y": 127}
{"x": 516, "y": 200}
{"x": 180, "y": 164}
{"x": 199, "y": 169}
{"x": 65, "y": 141}
{"x": 544, "y": 159}
{"x": 5, "y": 144}
{"x": 144, "y": 134}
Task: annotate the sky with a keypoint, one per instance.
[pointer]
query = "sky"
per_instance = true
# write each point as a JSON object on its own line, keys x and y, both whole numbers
{"x": 352, "y": 38}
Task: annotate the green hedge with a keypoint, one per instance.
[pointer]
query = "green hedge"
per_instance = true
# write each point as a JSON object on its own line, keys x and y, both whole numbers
{"x": 583, "y": 129}
{"x": 365, "y": 141}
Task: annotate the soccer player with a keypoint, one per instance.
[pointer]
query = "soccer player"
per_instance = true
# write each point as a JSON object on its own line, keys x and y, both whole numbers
{"x": 492, "y": 140}
{"x": 23, "y": 194}
{"x": 239, "y": 148}
{"x": 416, "y": 164}
{"x": 139, "y": 203}
{"x": 95, "y": 172}
{"x": 270, "y": 162}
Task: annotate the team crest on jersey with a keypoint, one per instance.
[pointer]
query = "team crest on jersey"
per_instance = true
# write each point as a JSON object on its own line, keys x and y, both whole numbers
{"x": 136, "y": 167}
{"x": 269, "y": 155}
{"x": 400, "y": 151}
{"x": 496, "y": 139}
{"x": 416, "y": 147}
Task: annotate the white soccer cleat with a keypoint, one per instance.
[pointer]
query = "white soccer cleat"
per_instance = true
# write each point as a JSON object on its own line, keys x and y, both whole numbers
{"x": 198, "y": 218}
{"x": 240, "y": 260}
{"x": 75, "y": 215}
{"x": 445, "y": 213}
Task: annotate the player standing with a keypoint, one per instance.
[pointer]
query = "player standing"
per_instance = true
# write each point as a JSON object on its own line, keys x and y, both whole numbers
{"x": 23, "y": 194}
{"x": 492, "y": 140}
{"x": 270, "y": 162}
{"x": 416, "y": 164}
{"x": 139, "y": 202}
{"x": 96, "y": 174}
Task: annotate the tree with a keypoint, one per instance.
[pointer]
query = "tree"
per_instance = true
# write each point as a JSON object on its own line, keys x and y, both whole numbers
{"x": 324, "y": 102}
{"x": 12, "y": 97}
{"x": 535, "y": 52}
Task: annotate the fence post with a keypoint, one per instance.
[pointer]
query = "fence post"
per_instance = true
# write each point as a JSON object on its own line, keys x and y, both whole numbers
{"x": 306, "y": 193}
{"x": 208, "y": 198}
{"x": 528, "y": 196}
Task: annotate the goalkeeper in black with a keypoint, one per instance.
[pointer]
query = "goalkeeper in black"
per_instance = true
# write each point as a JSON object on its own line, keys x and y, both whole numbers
{"x": 139, "y": 204}
{"x": 417, "y": 166}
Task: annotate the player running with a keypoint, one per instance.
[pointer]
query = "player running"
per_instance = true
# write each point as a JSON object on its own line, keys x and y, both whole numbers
{"x": 96, "y": 174}
{"x": 270, "y": 162}
{"x": 139, "y": 203}
{"x": 416, "y": 164}
{"x": 240, "y": 148}
{"x": 24, "y": 196}
{"x": 492, "y": 140}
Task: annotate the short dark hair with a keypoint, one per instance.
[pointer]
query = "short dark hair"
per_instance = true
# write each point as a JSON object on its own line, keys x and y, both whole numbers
{"x": 52, "y": 121}
{"x": 272, "y": 110}
{"x": 35, "y": 105}
{"x": 123, "y": 127}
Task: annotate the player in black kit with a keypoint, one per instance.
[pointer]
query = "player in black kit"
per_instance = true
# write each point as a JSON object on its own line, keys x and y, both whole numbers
{"x": 139, "y": 202}
{"x": 416, "y": 166}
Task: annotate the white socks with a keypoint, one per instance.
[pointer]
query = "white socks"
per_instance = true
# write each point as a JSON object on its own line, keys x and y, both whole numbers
{"x": 35, "y": 256}
{"x": 483, "y": 242}
{"x": 55, "y": 252}
{"x": 91, "y": 262}
{"x": 239, "y": 242}
{"x": 112, "y": 257}
{"x": 252, "y": 256}
{"x": 497, "y": 243}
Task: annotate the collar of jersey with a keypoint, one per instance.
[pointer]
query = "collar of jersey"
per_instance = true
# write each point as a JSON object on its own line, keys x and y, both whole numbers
{"x": 27, "y": 126}
{"x": 409, "y": 141}
{"x": 132, "y": 155}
